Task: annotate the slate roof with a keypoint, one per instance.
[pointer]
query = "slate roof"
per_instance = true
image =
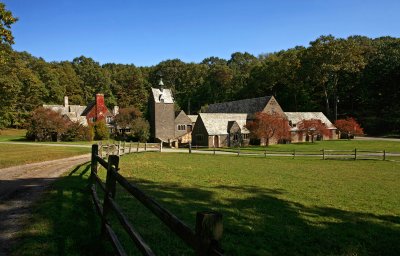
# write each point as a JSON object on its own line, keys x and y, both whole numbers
{"x": 296, "y": 117}
{"x": 217, "y": 123}
{"x": 73, "y": 112}
{"x": 248, "y": 106}
{"x": 165, "y": 95}
{"x": 193, "y": 118}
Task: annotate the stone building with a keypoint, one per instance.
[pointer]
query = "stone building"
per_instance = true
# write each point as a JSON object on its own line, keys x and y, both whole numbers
{"x": 86, "y": 115}
{"x": 224, "y": 124}
{"x": 220, "y": 130}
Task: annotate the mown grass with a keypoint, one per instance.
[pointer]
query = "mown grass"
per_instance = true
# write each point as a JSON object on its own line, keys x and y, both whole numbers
{"x": 14, "y": 154}
{"x": 63, "y": 221}
{"x": 271, "y": 206}
{"x": 12, "y": 134}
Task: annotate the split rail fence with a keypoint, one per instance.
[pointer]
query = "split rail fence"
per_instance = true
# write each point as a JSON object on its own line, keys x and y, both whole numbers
{"x": 204, "y": 240}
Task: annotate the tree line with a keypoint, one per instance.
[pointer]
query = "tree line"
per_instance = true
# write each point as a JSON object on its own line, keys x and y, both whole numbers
{"x": 355, "y": 77}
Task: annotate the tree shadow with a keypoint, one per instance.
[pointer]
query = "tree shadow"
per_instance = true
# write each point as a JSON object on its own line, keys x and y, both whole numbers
{"x": 63, "y": 222}
{"x": 258, "y": 222}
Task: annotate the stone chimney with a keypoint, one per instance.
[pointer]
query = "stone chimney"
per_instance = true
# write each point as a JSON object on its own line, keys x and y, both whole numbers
{"x": 115, "y": 110}
{"x": 66, "y": 105}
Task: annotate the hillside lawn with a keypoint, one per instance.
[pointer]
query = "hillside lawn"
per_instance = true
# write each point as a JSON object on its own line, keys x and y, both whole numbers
{"x": 271, "y": 206}
{"x": 14, "y": 154}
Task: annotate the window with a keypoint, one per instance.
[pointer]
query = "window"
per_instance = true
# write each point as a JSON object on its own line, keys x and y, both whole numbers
{"x": 235, "y": 136}
{"x": 181, "y": 127}
{"x": 92, "y": 119}
{"x": 108, "y": 118}
{"x": 245, "y": 136}
{"x": 189, "y": 127}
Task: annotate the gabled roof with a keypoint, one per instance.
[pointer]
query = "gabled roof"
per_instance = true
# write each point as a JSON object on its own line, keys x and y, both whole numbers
{"x": 217, "y": 123}
{"x": 193, "y": 118}
{"x": 182, "y": 117}
{"x": 88, "y": 108}
{"x": 248, "y": 106}
{"x": 162, "y": 95}
{"x": 297, "y": 117}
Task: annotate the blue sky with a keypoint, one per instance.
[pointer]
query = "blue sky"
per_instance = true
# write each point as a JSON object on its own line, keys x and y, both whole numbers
{"x": 146, "y": 32}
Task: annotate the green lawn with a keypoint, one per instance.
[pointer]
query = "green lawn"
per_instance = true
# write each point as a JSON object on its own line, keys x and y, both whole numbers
{"x": 14, "y": 154}
{"x": 12, "y": 134}
{"x": 271, "y": 206}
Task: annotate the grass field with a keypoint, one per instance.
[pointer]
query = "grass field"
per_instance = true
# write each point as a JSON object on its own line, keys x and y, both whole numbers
{"x": 13, "y": 154}
{"x": 270, "y": 206}
{"x": 12, "y": 134}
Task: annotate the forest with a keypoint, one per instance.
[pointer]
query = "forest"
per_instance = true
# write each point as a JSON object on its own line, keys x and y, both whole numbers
{"x": 355, "y": 77}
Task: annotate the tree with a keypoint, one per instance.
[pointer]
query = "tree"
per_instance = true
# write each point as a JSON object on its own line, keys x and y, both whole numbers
{"x": 6, "y": 20}
{"x": 127, "y": 116}
{"x": 46, "y": 125}
{"x": 141, "y": 129}
{"x": 326, "y": 60}
{"x": 101, "y": 131}
{"x": 349, "y": 127}
{"x": 269, "y": 126}
{"x": 313, "y": 127}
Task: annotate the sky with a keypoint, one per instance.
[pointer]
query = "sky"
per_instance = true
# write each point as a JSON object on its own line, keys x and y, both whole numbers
{"x": 145, "y": 33}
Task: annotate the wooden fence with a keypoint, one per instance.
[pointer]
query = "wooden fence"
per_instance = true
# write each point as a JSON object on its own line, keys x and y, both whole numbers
{"x": 204, "y": 240}
{"x": 355, "y": 154}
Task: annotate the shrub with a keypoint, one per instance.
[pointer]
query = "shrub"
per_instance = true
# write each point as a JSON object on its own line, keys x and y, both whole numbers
{"x": 46, "y": 125}
{"x": 101, "y": 131}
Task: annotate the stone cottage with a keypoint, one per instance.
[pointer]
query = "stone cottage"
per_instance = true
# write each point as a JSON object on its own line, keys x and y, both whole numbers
{"x": 87, "y": 115}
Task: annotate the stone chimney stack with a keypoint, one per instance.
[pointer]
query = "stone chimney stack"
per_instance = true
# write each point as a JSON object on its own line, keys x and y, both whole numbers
{"x": 66, "y": 105}
{"x": 116, "y": 110}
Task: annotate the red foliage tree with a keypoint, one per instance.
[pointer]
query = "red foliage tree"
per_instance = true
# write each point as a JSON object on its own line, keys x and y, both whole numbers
{"x": 313, "y": 127}
{"x": 267, "y": 126}
{"x": 46, "y": 125}
{"x": 349, "y": 126}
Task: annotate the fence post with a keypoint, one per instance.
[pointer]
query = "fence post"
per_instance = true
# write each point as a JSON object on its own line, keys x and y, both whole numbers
{"x": 209, "y": 229}
{"x": 130, "y": 147}
{"x": 265, "y": 153}
{"x": 108, "y": 150}
{"x": 100, "y": 148}
{"x": 110, "y": 190}
{"x": 95, "y": 151}
{"x": 384, "y": 155}
{"x": 137, "y": 149}
{"x": 119, "y": 148}
{"x": 355, "y": 154}
{"x": 294, "y": 153}
{"x": 323, "y": 154}
{"x": 238, "y": 153}
{"x": 161, "y": 146}
{"x": 190, "y": 148}
{"x": 145, "y": 146}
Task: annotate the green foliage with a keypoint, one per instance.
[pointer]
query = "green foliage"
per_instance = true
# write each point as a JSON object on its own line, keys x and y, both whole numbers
{"x": 357, "y": 76}
{"x": 141, "y": 129}
{"x": 6, "y": 20}
{"x": 101, "y": 131}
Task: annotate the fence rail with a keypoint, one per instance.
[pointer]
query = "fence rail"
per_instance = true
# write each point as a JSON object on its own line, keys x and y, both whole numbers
{"x": 355, "y": 154}
{"x": 204, "y": 240}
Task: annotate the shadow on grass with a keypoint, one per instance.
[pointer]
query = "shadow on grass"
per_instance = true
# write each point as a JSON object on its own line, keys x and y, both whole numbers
{"x": 257, "y": 222}
{"x": 63, "y": 222}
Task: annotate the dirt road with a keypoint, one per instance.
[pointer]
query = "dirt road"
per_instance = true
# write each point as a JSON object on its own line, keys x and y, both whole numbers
{"x": 22, "y": 185}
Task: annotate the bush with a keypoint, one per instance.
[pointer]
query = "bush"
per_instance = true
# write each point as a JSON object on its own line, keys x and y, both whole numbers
{"x": 46, "y": 125}
{"x": 77, "y": 132}
{"x": 141, "y": 129}
{"x": 101, "y": 131}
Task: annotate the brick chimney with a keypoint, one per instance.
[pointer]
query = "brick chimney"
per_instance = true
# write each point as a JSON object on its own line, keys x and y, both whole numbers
{"x": 100, "y": 106}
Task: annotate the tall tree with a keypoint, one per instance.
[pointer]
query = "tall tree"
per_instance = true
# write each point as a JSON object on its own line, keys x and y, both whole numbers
{"x": 6, "y": 20}
{"x": 326, "y": 60}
